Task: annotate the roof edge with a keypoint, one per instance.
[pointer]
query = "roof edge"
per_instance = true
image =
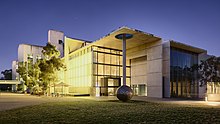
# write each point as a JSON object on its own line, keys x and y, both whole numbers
{"x": 78, "y": 39}
{"x": 186, "y": 47}
{"x": 31, "y": 45}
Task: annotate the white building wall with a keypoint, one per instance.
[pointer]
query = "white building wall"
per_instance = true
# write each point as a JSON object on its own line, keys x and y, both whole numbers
{"x": 24, "y": 50}
{"x": 14, "y": 68}
{"x": 54, "y": 37}
{"x": 152, "y": 68}
{"x": 166, "y": 69}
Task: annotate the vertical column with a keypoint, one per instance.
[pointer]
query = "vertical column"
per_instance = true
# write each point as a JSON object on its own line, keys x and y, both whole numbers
{"x": 124, "y": 93}
{"x": 124, "y": 37}
{"x": 124, "y": 59}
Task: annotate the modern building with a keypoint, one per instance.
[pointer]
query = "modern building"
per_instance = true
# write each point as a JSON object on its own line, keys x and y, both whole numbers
{"x": 155, "y": 67}
{"x": 26, "y": 53}
{"x": 57, "y": 38}
{"x": 31, "y": 53}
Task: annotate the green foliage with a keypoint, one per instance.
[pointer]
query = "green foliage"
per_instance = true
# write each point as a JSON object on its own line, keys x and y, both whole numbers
{"x": 210, "y": 70}
{"x": 29, "y": 73}
{"x": 22, "y": 71}
{"x": 7, "y": 74}
{"x": 50, "y": 51}
{"x": 44, "y": 71}
{"x": 50, "y": 66}
{"x": 34, "y": 75}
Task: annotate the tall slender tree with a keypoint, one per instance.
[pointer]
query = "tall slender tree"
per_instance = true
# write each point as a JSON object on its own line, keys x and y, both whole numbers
{"x": 50, "y": 66}
{"x": 22, "y": 71}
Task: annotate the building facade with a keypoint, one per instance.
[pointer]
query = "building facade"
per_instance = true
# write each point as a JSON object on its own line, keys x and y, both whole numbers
{"x": 154, "y": 67}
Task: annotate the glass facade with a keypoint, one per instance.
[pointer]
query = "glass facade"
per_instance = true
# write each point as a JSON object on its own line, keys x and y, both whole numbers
{"x": 213, "y": 88}
{"x": 107, "y": 70}
{"x": 96, "y": 71}
{"x": 139, "y": 89}
{"x": 183, "y": 75}
{"x": 80, "y": 71}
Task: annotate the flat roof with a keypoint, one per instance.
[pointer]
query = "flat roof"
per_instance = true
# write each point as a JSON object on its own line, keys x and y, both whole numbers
{"x": 79, "y": 39}
{"x": 9, "y": 82}
{"x": 186, "y": 47}
{"x": 31, "y": 45}
{"x": 139, "y": 38}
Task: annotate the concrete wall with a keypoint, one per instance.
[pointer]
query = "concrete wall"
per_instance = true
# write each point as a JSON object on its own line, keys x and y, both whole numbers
{"x": 152, "y": 68}
{"x": 139, "y": 70}
{"x": 54, "y": 37}
{"x": 24, "y": 50}
{"x": 166, "y": 69}
{"x": 14, "y": 68}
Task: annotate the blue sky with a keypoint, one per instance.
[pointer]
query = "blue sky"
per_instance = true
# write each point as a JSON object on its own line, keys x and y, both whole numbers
{"x": 193, "y": 22}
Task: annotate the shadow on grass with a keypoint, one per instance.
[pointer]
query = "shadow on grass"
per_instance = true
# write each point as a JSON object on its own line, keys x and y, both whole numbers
{"x": 129, "y": 101}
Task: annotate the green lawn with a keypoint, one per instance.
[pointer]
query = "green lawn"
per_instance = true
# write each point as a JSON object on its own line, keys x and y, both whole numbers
{"x": 89, "y": 111}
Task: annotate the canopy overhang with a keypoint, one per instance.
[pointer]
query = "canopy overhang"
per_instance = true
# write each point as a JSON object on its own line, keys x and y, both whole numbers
{"x": 138, "y": 38}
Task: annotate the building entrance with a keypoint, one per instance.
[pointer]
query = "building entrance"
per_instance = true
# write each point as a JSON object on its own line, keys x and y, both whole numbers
{"x": 109, "y": 86}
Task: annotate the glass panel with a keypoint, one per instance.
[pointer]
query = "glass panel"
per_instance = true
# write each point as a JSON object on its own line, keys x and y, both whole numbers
{"x": 135, "y": 89}
{"x": 128, "y": 71}
{"x": 183, "y": 79}
{"x": 107, "y": 59}
{"x": 95, "y": 57}
{"x": 121, "y": 71}
{"x": 100, "y": 70}
{"x": 128, "y": 81}
{"x": 113, "y": 70}
{"x": 141, "y": 89}
{"x": 107, "y": 70}
{"x": 101, "y": 58}
{"x": 114, "y": 59}
{"x": 95, "y": 71}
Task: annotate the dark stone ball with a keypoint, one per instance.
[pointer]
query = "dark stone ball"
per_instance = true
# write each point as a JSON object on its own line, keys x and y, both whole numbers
{"x": 124, "y": 93}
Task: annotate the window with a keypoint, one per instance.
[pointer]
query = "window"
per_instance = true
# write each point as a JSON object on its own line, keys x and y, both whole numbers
{"x": 183, "y": 80}
{"x": 60, "y": 41}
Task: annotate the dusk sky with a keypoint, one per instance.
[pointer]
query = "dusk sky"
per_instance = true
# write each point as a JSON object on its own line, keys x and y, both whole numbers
{"x": 193, "y": 22}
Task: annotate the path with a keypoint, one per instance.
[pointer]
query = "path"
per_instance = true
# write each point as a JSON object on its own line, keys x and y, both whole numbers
{"x": 12, "y": 100}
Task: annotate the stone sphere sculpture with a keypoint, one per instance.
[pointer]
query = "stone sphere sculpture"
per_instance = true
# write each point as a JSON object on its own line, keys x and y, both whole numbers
{"x": 124, "y": 93}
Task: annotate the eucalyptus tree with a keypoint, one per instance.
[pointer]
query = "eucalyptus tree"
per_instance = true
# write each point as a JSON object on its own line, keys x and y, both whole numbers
{"x": 7, "y": 74}
{"x": 210, "y": 71}
{"x": 28, "y": 73}
{"x": 23, "y": 72}
{"x": 49, "y": 66}
{"x": 34, "y": 75}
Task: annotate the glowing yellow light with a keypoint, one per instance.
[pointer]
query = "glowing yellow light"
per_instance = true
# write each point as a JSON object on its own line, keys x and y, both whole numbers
{"x": 214, "y": 103}
{"x": 97, "y": 91}
{"x": 79, "y": 73}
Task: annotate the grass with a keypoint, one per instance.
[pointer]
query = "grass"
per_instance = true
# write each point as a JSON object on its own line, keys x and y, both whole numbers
{"x": 103, "y": 112}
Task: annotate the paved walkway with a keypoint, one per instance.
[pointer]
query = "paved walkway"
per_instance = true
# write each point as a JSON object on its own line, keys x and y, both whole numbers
{"x": 12, "y": 100}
